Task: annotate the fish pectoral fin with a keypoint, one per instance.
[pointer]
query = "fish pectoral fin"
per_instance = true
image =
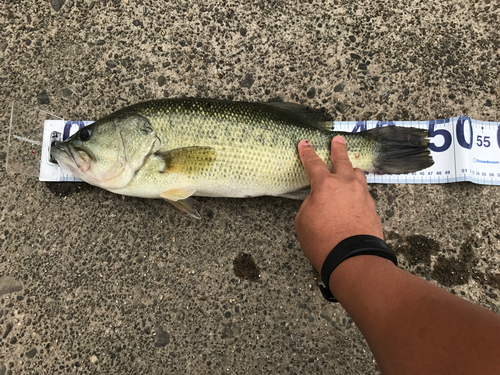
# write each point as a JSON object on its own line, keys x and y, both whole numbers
{"x": 187, "y": 160}
{"x": 188, "y": 206}
{"x": 299, "y": 195}
{"x": 175, "y": 195}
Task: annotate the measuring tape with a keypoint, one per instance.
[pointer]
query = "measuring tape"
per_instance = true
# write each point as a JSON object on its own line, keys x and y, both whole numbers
{"x": 463, "y": 149}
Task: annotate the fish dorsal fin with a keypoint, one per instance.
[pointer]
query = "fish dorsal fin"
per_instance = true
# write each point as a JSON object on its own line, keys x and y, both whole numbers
{"x": 308, "y": 116}
{"x": 187, "y": 160}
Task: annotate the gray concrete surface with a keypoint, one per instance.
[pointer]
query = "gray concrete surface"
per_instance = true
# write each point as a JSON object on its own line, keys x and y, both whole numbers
{"x": 92, "y": 283}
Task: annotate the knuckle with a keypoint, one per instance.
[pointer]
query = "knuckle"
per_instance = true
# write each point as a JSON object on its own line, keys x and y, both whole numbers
{"x": 324, "y": 184}
{"x": 356, "y": 186}
{"x": 323, "y": 188}
{"x": 319, "y": 187}
{"x": 360, "y": 174}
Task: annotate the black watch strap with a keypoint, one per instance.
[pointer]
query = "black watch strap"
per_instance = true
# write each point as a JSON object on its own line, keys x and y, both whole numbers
{"x": 348, "y": 248}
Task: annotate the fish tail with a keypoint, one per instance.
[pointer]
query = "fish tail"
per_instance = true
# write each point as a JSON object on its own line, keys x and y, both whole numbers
{"x": 400, "y": 150}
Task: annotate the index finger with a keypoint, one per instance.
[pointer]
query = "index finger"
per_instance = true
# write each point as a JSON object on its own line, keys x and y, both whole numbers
{"x": 341, "y": 165}
{"x": 314, "y": 166}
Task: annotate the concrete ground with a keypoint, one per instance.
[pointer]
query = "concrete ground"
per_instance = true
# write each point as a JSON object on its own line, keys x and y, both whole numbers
{"x": 92, "y": 283}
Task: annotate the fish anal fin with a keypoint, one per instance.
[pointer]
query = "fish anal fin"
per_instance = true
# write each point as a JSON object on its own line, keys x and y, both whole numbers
{"x": 188, "y": 206}
{"x": 187, "y": 160}
{"x": 175, "y": 195}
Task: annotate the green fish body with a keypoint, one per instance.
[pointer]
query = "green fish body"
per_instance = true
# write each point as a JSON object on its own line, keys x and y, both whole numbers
{"x": 178, "y": 148}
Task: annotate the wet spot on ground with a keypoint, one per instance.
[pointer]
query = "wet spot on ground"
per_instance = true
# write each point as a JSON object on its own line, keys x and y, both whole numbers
{"x": 455, "y": 270}
{"x": 416, "y": 249}
{"x": 162, "y": 338}
{"x": 448, "y": 271}
{"x": 230, "y": 330}
{"x": 245, "y": 267}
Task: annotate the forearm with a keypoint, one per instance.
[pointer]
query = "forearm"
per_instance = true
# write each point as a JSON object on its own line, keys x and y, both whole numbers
{"x": 413, "y": 326}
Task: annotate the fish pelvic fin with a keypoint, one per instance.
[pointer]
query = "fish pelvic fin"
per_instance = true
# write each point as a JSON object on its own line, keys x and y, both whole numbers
{"x": 175, "y": 195}
{"x": 298, "y": 195}
{"x": 400, "y": 150}
{"x": 187, "y": 160}
{"x": 188, "y": 206}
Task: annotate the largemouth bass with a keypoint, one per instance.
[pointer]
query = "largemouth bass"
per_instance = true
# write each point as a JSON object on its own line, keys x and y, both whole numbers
{"x": 179, "y": 148}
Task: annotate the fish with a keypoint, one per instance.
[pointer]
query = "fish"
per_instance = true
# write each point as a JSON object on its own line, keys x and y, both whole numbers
{"x": 179, "y": 148}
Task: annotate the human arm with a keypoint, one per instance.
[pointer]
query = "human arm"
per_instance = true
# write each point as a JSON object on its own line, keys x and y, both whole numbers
{"x": 411, "y": 325}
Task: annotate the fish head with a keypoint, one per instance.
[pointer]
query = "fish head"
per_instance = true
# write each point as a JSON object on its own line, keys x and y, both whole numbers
{"x": 108, "y": 152}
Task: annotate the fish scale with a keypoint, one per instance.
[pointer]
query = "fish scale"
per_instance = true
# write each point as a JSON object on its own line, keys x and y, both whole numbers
{"x": 256, "y": 154}
{"x": 177, "y": 148}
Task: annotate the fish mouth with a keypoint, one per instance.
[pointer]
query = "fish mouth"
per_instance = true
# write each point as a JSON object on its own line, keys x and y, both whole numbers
{"x": 71, "y": 157}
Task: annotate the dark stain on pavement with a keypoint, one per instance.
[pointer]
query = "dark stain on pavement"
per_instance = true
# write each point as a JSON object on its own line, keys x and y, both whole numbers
{"x": 416, "y": 249}
{"x": 245, "y": 267}
{"x": 162, "y": 338}
{"x": 456, "y": 270}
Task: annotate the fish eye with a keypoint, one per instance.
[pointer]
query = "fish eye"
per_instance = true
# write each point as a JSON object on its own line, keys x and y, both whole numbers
{"x": 85, "y": 134}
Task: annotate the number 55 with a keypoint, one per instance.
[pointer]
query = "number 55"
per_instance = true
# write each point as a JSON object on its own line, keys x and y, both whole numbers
{"x": 483, "y": 141}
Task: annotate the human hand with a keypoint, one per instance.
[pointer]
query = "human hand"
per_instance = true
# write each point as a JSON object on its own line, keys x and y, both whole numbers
{"x": 339, "y": 205}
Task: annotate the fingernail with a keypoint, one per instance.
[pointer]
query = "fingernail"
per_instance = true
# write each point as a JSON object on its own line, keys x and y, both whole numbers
{"x": 305, "y": 142}
{"x": 339, "y": 139}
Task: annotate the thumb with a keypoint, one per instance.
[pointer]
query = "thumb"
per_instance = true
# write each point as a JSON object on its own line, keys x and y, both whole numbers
{"x": 314, "y": 166}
